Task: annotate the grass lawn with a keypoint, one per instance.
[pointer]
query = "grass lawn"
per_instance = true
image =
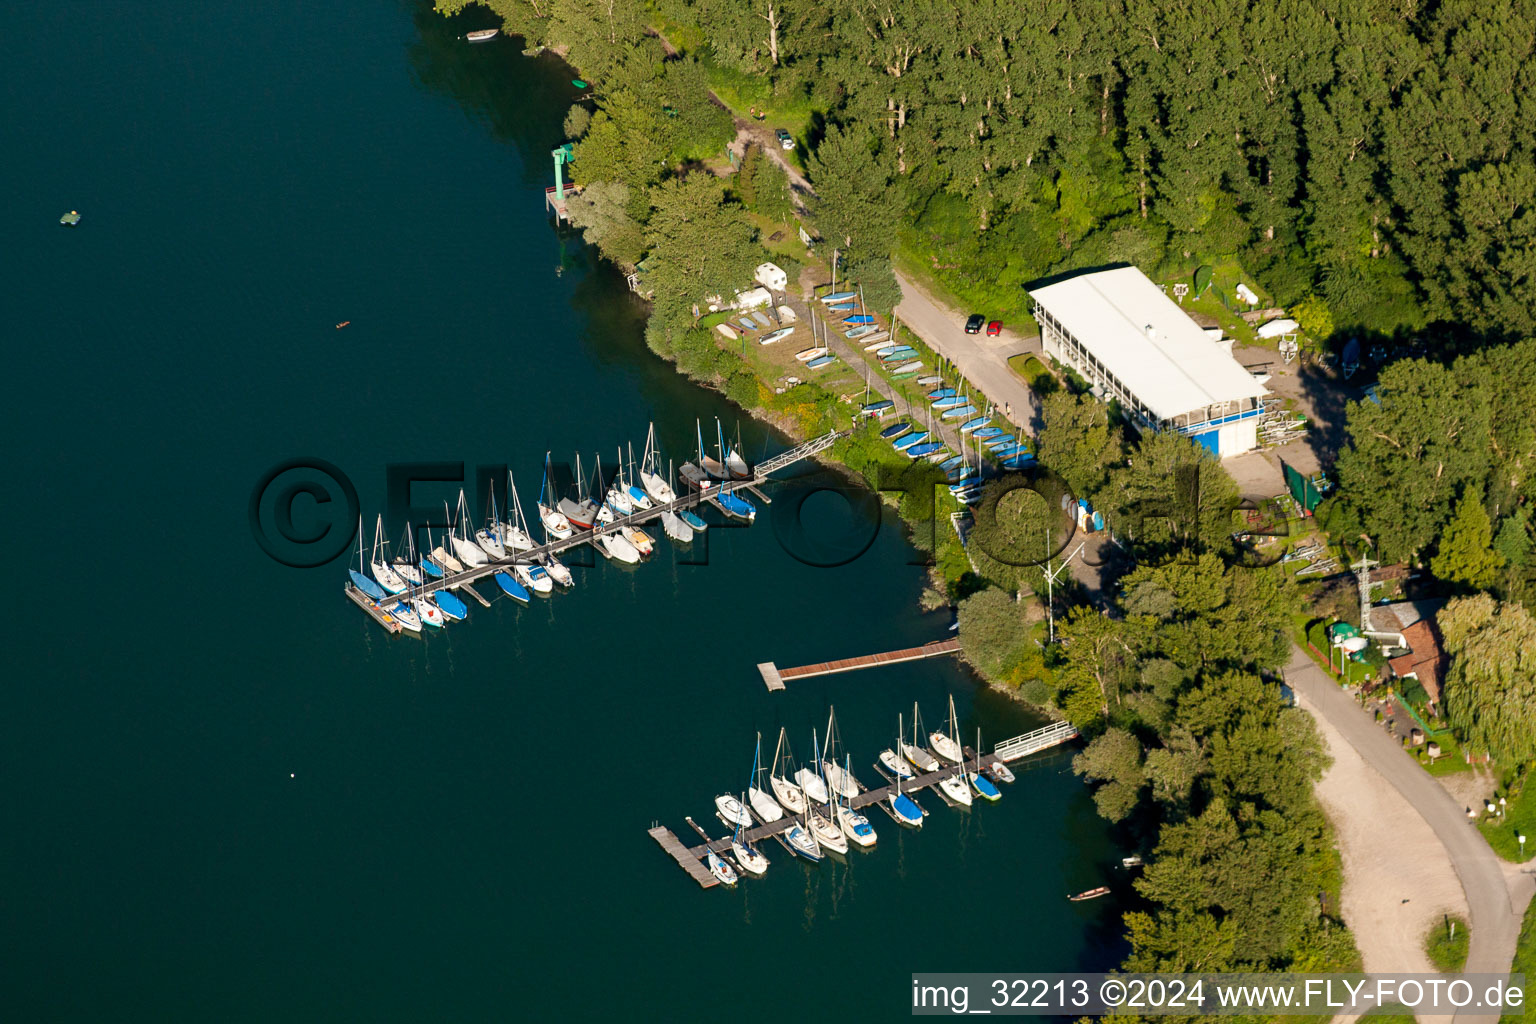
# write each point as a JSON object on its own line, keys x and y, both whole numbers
{"x": 1446, "y": 944}
{"x": 1519, "y": 819}
{"x": 1040, "y": 379}
{"x": 1525, "y": 961}
{"x": 1390, "y": 1015}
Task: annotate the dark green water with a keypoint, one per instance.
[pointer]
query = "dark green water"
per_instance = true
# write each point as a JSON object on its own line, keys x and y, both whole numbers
{"x": 228, "y": 795}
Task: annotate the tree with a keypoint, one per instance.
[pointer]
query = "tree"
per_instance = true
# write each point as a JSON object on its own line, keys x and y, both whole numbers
{"x": 857, "y": 202}
{"x": 1114, "y": 760}
{"x": 1490, "y": 691}
{"x": 1466, "y": 553}
{"x": 1078, "y": 443}
{"x": 1173, "y": 495}
{"x": 686, "y": 211}
{"x": 576, "y": 121}
{"x": 601, "y": 210}
{"x": 993, "y": 631}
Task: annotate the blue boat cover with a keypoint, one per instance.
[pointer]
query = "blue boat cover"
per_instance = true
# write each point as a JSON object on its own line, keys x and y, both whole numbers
{"x": 839, "y": 296}
{"x": 942, "y": 393}
{"x": 910, "y": 440}
{"x": 691, "y": 519}
{"x": 514, "y": 589}
{"x": 895, "y": 430}
{"x": 747, "y": 325}
{"x": 949, "y": 464}
{"x": 859, "y": 318}
{"x": 450, "y": 604}
{"x": 984, "y": 786}
{"x": 879, "y": 406}
{"x": 959, "y": 411}
{"x": 917, "y": 451}
{"x": 990, "y": 432}
{"x": 736, "y": 506}
{"x": 906, "y": 808}
{"x": 840, "y": 307}
{"x": 1002, "y": 441}
{"x": 969, "y": 425}
{"x": 366, "y": 585}
{"x": 820, "y": 361}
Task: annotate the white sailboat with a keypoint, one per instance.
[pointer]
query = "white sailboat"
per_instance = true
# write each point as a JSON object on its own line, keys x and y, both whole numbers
{"x": 825, "y": 827}
{"x": 947, "y": 744}
{"x": 615, "y": 548}
{"x": 748, "y": 856}
{"x": 429, "y": 613}
{"x": 514, "y": 533}
{"x": 802, "y": 843}
{"x": 854, "y": 825}
{"x": 440, "y": 554}
{"x": 405, "y": 565}
{"x": 654, "y": 483}
{"x": 897, "y": 766}
{"x": 839, "y": 779}
{"x": 489, "y": 538}
{"x": 809, "y": 779}
{"x": 557, "y": 570}
{"x": 902, "y": 806}
{"x": 915, "y": 753}
{"x": 470, "y": 553}
{"x": 788, "y": 793}
{"x": 555, "y": 523}
{"x": 404, "y": 615}
{"x": 764, "y": 806}
{"x": 673, "y": 526}
{"x": 382, "y": 570}
{"x": 958, "y": 786}
{"x": 533, "y": 576}
{"x": 723, "y": 872}
{"x": 637, "y": 495}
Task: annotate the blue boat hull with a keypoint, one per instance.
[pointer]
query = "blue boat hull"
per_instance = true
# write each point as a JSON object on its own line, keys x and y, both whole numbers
{"x": 895, "y": 430}
{"x": 903, "y": 443}
{"x": 859, "y": 318}
{"x": 511, "y": 587}
{"x": 366, "y": 585}
{"x": 691, "y": 519}
{"x": 431, "y": 568}
{"x": 907, "y": 811}
{"x": 451, "y": 605}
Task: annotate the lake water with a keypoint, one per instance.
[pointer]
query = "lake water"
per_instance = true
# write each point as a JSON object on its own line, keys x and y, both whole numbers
{"x": 228, "y": 794}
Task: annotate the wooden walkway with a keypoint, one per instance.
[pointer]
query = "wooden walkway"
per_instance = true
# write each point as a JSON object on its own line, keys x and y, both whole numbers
{"x": 775, "y": 677}
{"x": 690, "y": 498}
{"x": 680, "y": 853}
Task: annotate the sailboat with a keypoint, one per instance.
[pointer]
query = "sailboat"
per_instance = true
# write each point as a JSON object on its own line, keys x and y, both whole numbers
{"x": 509, "y": 586}
{"x": 489, "y": 538}
{"x": 904, "y": 807}
{"x": 716, "y": 467}
{"x": 605, "y": 513}
{"x": 429, "y": 613}
{"x": 406, "y": 616}
{"x": 468, "y": 551}
{"x": 735, "y": 463}
{"x": 809, "y": 779}
{"x": 639, "y": 538}
{"x": 514, "y": 534}
{"x": 854, "y": 825}
{"x": 735, "y": 506}
{"x": 947, "y": 744}
{"x": 557, "y": 570}
{"x": 697, "y": 476}
{"x": 380, "y": 568}
{"x": 637, "y": 495}
{"x": 802, "y": 843}
{"x": 818, "y": 348}
{"x": 824, "y": 826}
{"x": 917, "y": 754}
{"x": 788, "y": 793}
{"x": 555, "y": 523}
{"x": 890, "y": 758}
{"x": 450, "y": 604}
{"x": 581, "y": 513}
{"x": 957, "y": 787}
{"x": 425, "y": 563}
{"x": 723, "y": 872}
{"x": 655, "y": 485}
{"x": 985, "y": 788}
{"x": 405, "y": 565}
{"x": 838, "y": 778}
{"x": 440, "y": 553}
{"x": 673, "y": 526}
{"x": 747, "y": 855}
{"x": 533, "y": 577}
{"x": 360, "y": 581}
{"x": 618, "y": 498}
{"x": 763, "y": 805}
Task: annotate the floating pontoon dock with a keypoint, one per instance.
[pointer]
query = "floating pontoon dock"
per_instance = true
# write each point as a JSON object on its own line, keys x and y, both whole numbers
{"x": 461, "y": 581}
{"x": 775, "y": 677}
{"x": 690, "y": 858}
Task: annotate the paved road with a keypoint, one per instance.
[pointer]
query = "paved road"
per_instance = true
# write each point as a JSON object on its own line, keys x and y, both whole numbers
{"x": 1495, "y": 920}
{"x": 981, "y": 360}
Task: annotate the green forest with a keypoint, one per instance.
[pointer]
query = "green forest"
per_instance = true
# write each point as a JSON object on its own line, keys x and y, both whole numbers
{"x": 1372, "y": 158}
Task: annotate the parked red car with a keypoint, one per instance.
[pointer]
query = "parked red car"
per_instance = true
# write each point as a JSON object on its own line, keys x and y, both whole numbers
{"x": 994, "y": 328}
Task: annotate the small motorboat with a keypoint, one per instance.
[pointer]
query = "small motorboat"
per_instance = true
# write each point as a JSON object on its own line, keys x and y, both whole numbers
{"x": 855, "y": 826}
{"x": 344, "y": 323}
{"x": 731, "y": 811}
{"x": 723, "y": 872}
{"x": 893, "y": 763}
{"x": 640, "y": 539}
{"x": 72, "y": 219}
{"x": 1133, "y": 861}
{"x": 451, "y": 605}
{"x": 1090, "y": 894}
{"x": 481, "y": 35}
{"x": 751, "y": 860}
{"x": 557, "y": 570}
{"x": 802, "y": 843}
{"x": 778, "y": 335}
{"x": 513, "y": 589}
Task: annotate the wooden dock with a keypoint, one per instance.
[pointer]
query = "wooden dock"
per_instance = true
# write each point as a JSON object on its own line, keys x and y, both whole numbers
{"x": 461, "y": 581}
{"x": 684, "y": 857}
{"x": 775, "y": 677}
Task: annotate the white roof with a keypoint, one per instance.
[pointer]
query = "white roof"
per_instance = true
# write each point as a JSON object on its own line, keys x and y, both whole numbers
{"x": 1173, "y": 368}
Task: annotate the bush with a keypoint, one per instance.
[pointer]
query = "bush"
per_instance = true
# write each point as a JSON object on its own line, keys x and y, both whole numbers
{"x": 1446, "y": 944}
{"x": 993, "y": 633}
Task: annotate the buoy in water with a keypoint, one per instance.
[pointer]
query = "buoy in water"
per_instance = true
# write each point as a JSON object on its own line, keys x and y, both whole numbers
{"x": 70, "y": 219}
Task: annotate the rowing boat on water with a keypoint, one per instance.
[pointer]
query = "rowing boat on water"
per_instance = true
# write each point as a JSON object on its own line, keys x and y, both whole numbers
{"x": 481, "y": 35}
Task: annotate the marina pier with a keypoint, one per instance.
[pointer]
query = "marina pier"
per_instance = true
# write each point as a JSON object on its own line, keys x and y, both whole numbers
{"x": 688, "y": 499}
{"x": 691, "y": 858}
{"x": 774, "y": 677}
